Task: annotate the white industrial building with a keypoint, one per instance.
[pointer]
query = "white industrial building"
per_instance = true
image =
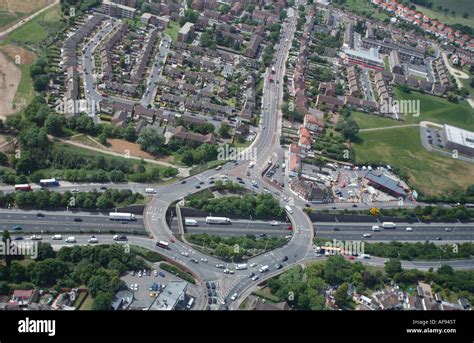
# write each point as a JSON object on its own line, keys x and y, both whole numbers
{"x": 459, "y": 139}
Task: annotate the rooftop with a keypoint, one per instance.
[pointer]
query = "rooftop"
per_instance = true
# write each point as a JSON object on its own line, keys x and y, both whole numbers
{"x": 459, "y": 136}
{"x": 170, "y": 296}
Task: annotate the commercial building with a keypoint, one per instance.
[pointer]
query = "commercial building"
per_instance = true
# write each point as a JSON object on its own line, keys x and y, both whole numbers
{"x": 459, "y": 139}
{"x": 386, "y": 184}
{"x": 171, "y": 298}
{"x": 365, "y": 58}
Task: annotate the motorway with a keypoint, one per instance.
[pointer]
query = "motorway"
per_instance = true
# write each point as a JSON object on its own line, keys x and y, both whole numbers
{"x": 237, "y": 228}
{"x": 63, "y": 222}
{"x": 455, "y": 232}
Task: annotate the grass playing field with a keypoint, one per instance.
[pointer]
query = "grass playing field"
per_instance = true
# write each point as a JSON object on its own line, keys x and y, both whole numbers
{"x": 401, "y": 147}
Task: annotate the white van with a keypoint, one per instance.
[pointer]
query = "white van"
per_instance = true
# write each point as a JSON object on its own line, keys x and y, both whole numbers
{"x": 376, "y": 228}
{"x": 409, "y": 229}
{"x": 57, "y": 237}
{"x": 71, "y": 240}
{"x": 190, "y": 303}
{"x": 150, "y": 191}
{"x": 289, "y": 209}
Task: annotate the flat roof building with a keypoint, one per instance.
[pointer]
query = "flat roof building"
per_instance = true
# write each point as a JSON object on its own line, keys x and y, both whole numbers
{"x": 173, "y": 296}
{"x": 186, "y": 32}
{"x": 117, "y": 10}
{"x": 459, "y": 139}
{"x": 365, "y": 58}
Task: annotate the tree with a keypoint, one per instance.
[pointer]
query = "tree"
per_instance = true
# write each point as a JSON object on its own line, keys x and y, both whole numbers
{"x": 103, "y": 139}
{"x": 392, "y": 267}
{"x": 130, "y": 133}
{"x": 4, "y": 288}
{"x": 349, "y": 128}
{"x": 102, "y": 301}
{"x": 54, "y": 124}
{"x": 5, "y": 240}
{"x": 340, "y": 296}
{"x": 41, "y": 82}
{"x": 151, "y": 141}
{"x": 224, "y": 130}
{"x": 18, "y": 273}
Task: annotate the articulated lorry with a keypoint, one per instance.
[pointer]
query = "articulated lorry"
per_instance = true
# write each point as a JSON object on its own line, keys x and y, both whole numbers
{"x": 121, "y": 216}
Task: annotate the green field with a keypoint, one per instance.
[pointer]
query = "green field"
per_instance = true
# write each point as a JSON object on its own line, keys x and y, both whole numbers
{"x": 25, "y": 92}
{"x": 8, "y": 18}
{"x": 172, "y": 30}
{"x": 466, "y": 84}
{"x": 401, "y": 147}
{"x": 370, "y": 121}
{"x": 439, "y": 110}
{"x": 459, "y": 6}
{"x": 361, "y": 6}
{"x": 33, "y": 32}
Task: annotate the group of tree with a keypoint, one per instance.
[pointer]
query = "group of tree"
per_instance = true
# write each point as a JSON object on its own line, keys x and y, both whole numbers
{"x": 246, "y": 206}
{"x": 97, "y": 267}
{"x": 290, "y": 112}
{"x": 45, "y": 199}
{"x": 429, "y": 213}
{"x": 235, "y": 248}
{"x": 420, "y": 251}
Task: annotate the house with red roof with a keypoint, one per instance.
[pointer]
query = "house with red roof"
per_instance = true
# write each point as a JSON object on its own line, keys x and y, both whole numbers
{"x": 23, "y": 297}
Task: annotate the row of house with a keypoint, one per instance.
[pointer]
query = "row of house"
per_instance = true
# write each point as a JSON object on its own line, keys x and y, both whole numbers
{"x": 69, "y": 59}
{"x": 105, "y": 51}
{"x": 394, "y": 298}
{"x": 427, "y": 24}
{"x": 144, "y": 59}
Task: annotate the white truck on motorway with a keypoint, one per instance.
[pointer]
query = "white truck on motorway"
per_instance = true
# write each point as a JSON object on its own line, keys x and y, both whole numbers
{"x": 263, "y": 269}
{"x": 190, "y": 222}
{"x": 241, "y": 266}
{"x": 218, "y": 220}
{"x": 389, "y": 225}
{"x": 70, "y": 240}
{"x": 121, "y": 216}
{"x": 289, "y": 209}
